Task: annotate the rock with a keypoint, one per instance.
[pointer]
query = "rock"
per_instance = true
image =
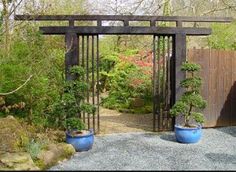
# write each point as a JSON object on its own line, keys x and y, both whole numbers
{"x": 54, "y": 154}
{"x": 56, "y": 135}
{"x": 13, "y": 137}
{"x": 16, "y": 161}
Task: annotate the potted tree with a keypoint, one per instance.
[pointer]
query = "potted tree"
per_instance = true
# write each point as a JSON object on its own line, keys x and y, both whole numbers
{"x": 189, "y": 105}
{"x": 69, "y": 109}
{"x": 81, "y": 139}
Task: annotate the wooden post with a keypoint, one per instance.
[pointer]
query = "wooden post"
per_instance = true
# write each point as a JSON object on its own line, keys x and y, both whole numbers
{"x": 177, "y": 76}
{"x": 71, "y": 56}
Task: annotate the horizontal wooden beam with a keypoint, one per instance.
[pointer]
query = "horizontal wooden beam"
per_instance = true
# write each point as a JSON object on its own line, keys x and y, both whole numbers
{"x": 124, "y": 30}
{"x": 123, "y": 18}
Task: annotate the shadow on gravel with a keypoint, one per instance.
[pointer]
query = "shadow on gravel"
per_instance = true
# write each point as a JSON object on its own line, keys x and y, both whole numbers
{"x": 228, "y": 130}
{"x": 168, "y": 137}
{"x": 221, "y": 157}
{"x": 149, "y": 135}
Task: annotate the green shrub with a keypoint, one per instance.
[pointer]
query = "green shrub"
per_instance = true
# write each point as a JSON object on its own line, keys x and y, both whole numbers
{"x": 130, "y": 78}
{"x": 74, "y": 124}
{"x": 191, "y": 100}
{"x": 70, "y": 106}
{"x": 34, "y": 148}
{"x": 223, "y": 40}
{"x": 31, "y": 54}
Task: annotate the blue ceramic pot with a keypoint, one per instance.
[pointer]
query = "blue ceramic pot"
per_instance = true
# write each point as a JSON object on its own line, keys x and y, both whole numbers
{"x": 81, "y": 142}
{"x": 188, "y": 135}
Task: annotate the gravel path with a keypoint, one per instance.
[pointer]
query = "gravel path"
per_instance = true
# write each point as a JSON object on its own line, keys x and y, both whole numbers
{"x": 155, "y": 151}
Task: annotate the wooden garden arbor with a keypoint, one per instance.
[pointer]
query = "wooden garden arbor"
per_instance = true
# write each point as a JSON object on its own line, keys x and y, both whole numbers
{"x": 169, "y": 51}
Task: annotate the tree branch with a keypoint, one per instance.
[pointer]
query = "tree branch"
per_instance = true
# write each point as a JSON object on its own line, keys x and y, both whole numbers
{"x": 11, "y": 92}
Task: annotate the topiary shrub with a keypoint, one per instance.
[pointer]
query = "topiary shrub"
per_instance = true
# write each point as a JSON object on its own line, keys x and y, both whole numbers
{"x": 67, "y": 111}
{"x": 191, "y": 101}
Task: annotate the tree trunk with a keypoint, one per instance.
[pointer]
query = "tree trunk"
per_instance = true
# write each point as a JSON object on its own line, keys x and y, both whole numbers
{"x": 6, "y": 26}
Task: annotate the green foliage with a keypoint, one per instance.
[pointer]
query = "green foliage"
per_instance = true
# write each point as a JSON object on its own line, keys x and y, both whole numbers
{"x": 119, "y": 90}
{"x": 129, "y": 52}
{"x": 223, "y": 36}
{"x": 68, "y": 108}
{"x": 74, "y": 124}
{"x": 190, "y": 67}
{"x": 194, "y": 83}
{"x": 191, "y": 100}
{"x": 198, "y": 117}
{"x": 34, "y": 148}
{"x": 31, "y": 54}
{"x": 194, "y": 98}
{"x": 180, "y": 107}
{"x": 126, "y": 81}
{"x": 108, "y": 61}
{"x": 86, "y": 107}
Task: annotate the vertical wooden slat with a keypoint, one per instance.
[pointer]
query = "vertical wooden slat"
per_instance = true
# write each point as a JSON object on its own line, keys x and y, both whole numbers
{"x": 230, "y": 85}
{"x": 220, "y": 89}
{"x": 171, "y": 119}
{"x": 179, "y": 57}
{"x": 87, "y": 76}
{"x": 167, "y": 74}
{"x": 164, "y": 114}
{"x": 154, "y": 83}
{"x": 205, "y": 74}
{"x": 227, "y": 87}
{"x": 167, "y": 83}
{"x": 79, "y": 58}
{"x": 159, "y": 111}
{"x": 93, "y": 81}
{"x": 83, "y": 65}
{"x": 222, "y": 103}
{"x": 211, "y": 115}
{"x": 233, "y": 88}
{"x": 211, "y": 105}
{"x": 71, "y": 56}
{"x": 98, "y": 85}
{"x": 214, "y": 64}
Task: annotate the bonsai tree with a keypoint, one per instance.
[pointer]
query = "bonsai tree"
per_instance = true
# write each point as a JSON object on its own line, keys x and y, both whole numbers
{"x": 74, "y": 124}
{"x": 191, "y": 101}
{"x": 69, "y": 108}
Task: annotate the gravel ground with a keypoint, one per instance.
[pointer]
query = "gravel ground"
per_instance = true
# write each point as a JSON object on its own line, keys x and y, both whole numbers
{"x": 157, "y": 151}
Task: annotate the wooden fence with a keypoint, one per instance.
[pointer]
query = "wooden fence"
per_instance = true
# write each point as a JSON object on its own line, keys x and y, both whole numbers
{"x": 219, "y": 84}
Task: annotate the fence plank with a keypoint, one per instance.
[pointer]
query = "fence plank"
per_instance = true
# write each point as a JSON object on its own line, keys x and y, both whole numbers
{"x": 233, "y": 88}
{"x": 212, "y": 88}
{"x": 220, "y": 90}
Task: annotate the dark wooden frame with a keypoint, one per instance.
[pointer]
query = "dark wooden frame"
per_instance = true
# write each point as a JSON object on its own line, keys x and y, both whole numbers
{"x": 124, "y": 18}
{"x": 179, "y": 34}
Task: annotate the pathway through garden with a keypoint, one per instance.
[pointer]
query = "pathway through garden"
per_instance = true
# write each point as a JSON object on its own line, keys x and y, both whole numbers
{"x": 112, "y": 121}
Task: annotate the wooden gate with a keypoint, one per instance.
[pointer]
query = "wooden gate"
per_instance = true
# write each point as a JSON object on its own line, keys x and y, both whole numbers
{"x": 169, "y": 49}
{"x": 162, "y": 79}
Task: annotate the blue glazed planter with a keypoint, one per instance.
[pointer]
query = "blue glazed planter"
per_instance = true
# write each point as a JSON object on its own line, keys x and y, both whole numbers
{"x": 188, "y": 135}
{"x": 81, "y": 143}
